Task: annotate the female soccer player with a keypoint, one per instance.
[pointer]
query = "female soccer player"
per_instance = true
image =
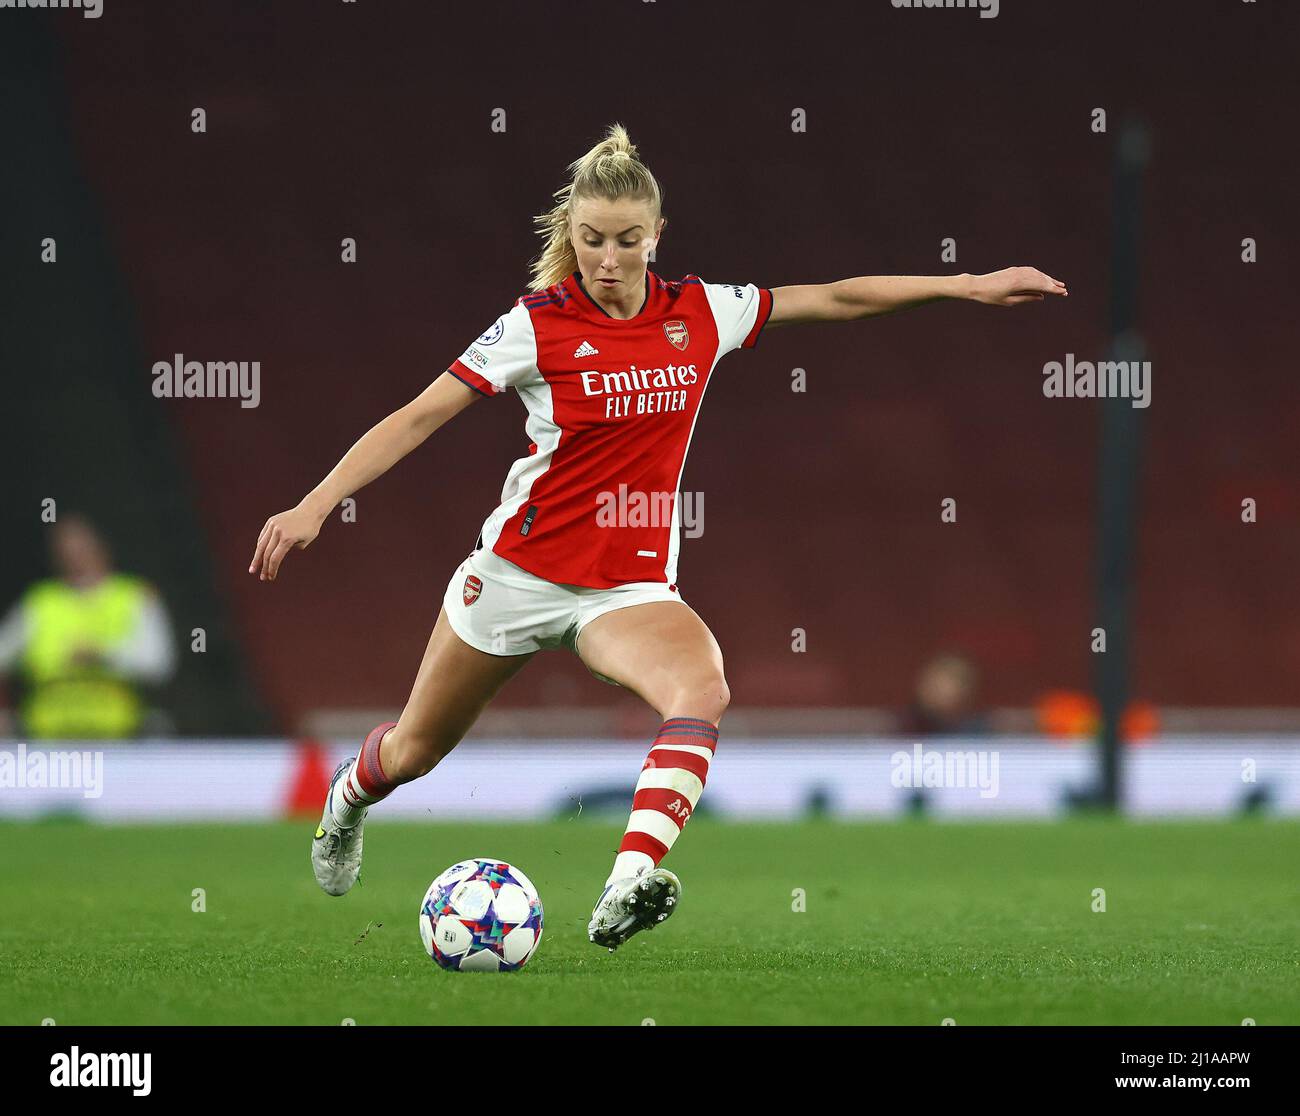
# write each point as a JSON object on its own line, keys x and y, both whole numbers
{"x": 611, "y": 362}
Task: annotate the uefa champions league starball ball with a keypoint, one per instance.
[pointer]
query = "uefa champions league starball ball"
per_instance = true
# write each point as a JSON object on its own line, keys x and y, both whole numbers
{"x": 481, "y": 915}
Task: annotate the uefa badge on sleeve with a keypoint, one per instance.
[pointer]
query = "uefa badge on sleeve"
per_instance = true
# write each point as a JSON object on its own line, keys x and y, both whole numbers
{"x": 677, "y": 335}
{"x": 493, "y": 333}
{"x": 473, "y": 587}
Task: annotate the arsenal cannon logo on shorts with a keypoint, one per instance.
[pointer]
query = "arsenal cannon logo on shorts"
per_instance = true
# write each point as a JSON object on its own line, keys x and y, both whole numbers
{"x": 676, "y": 333}
{"x": 473, "y": 587}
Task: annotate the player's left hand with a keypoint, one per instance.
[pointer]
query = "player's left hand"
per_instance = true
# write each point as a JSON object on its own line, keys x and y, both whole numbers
{"x": 1013, "y": 285}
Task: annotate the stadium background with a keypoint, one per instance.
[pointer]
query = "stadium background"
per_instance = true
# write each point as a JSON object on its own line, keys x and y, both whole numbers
{"x": 816, "y": 889}
{"x": 821, "y": 508}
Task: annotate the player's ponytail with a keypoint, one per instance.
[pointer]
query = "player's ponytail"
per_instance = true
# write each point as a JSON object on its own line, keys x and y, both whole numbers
{"x": 610, "y": 170}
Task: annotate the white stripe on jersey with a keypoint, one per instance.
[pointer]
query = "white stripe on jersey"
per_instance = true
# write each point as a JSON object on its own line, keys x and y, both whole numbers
{"x": 527, "y": 471}
{"x": 733, "y": 319}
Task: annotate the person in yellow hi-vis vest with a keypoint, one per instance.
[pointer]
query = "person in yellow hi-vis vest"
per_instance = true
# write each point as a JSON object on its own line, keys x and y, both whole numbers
{"x": 85, "y": 641}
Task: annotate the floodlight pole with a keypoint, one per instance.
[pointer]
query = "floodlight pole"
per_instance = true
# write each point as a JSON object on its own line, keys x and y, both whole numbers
{"x": 1119, "y": 460}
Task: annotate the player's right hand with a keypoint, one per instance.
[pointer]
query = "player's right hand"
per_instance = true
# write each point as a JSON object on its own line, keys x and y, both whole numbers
{"x": 1013, "y": 286}
{"x": 295, "y": 529}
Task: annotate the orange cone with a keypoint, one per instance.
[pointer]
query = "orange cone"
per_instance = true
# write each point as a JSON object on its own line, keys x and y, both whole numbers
{"x": 311, "y": 779}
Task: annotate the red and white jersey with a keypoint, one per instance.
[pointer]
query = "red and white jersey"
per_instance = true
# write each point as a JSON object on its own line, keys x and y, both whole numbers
{"x": 612, "y": 404}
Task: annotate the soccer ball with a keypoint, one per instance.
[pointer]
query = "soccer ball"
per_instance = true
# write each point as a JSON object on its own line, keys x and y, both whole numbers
{"x": 481, "y": 915}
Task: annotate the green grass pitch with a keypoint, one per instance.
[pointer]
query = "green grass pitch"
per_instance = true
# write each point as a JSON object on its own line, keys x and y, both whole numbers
{"x": 906, "y": 923}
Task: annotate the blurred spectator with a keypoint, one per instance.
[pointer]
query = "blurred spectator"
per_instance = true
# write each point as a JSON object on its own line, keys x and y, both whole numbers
{"x": 85, "y": 641}
{"x": 943, "y": 703}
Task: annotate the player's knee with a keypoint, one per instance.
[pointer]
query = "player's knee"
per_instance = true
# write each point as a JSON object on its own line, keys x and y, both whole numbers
{"x": 705, "y": 696}
{"x": 722, "y": 695}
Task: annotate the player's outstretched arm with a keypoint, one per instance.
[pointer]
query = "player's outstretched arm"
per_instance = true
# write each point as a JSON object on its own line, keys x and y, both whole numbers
{"x": 377, "y": 451}
{"x": 870, "y": 295}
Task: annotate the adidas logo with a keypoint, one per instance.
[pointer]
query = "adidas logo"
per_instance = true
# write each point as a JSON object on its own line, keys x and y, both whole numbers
{"x": 586, "y": 349}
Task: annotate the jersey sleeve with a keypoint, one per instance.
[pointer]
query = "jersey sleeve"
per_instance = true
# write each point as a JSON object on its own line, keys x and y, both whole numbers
{"x": 740, "y": 312}
{"x": 502, "y": 357}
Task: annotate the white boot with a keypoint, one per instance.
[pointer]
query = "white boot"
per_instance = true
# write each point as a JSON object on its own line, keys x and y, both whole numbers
{"x": 335, "y": 850}
{"x": 633, "y": 904}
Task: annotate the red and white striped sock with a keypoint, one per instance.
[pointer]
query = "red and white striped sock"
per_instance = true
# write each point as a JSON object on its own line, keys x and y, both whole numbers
{"x": 365, "y": 782}
{"x": 672, "y": 780}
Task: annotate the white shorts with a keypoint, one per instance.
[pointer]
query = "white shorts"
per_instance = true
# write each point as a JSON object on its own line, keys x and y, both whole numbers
{"x": 500, "y": 609}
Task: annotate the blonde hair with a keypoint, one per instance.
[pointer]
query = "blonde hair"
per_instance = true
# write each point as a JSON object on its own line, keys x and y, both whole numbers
{"x": 610, "y": 170}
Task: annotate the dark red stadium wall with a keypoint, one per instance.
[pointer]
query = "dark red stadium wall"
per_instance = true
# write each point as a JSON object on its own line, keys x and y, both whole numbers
{"x": 822, "y": 507}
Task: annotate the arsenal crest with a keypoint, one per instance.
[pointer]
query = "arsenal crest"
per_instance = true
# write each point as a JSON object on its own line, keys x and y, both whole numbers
{"x": 676, "y": 333}
{"x": 473, "y": 587}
